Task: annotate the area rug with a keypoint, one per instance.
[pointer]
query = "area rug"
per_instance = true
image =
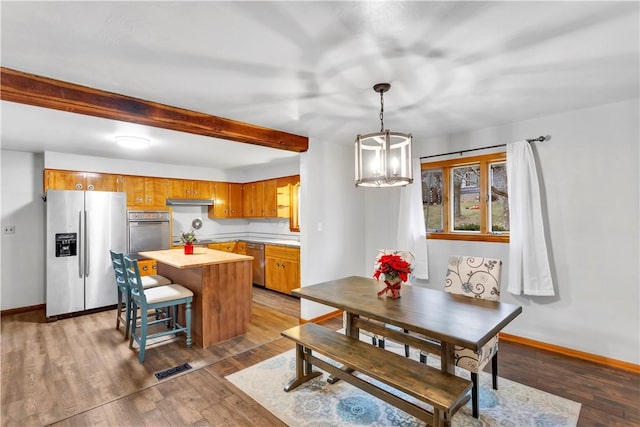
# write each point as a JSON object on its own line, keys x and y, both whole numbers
{"x": 319, "y": 404}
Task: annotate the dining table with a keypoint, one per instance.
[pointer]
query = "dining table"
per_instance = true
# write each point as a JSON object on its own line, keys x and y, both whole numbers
{"x": 428, "y": 319}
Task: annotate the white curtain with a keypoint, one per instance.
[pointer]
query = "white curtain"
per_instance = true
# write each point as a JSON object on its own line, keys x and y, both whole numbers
{"x": 529, "y": 271}
{"x": 412, "y": 232}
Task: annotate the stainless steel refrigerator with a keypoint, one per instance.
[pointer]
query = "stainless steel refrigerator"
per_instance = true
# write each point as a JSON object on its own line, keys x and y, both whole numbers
{"x": 81, "y": 228}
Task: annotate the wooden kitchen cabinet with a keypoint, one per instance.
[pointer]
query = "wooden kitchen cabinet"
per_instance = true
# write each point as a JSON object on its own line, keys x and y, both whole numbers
{"x": 147, "y": 267}
{"x": 156, "y": 190}
{"x": 228, "y": 200}
{"x": 82, "y": 181}
{"x": 202, "y": 190}
{"x": 235, "y": 200}
{"x": 253, "y": 199}
{"x": 190, "y": 189}
{"x": 145, "y": 192}
{"x": 101, "y": 181}
{"x": 282, "y": 268}
{"x": 270, "y": 198}
{"x": 294, "y": 208}
{"x": 220, "y": 208}
{"x": 179, "y": 189}
{"x": 135, "y": 189}
{"x": 223, "y": 246}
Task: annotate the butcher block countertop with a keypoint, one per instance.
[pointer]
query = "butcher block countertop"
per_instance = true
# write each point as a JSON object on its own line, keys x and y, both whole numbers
{"x": 200, "y": 257}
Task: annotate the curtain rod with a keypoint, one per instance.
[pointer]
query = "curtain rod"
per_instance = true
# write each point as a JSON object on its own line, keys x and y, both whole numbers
{"x": 540, "y": 139}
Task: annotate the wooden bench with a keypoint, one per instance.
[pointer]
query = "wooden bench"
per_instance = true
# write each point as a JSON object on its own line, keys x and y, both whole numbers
{"x": 445, "y": 392}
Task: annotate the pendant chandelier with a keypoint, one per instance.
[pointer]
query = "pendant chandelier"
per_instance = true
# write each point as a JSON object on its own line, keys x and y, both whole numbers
{"x": 383, "y": 159}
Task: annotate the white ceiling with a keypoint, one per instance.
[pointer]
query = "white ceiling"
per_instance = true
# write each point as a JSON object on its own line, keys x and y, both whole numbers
{"x": 308, "y": 68}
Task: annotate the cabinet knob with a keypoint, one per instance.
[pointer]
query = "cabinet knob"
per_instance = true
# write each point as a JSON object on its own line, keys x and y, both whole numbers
{"x": 78, "y": 186}
{"x": 145, "y": 268}
{"x": 138, "y": 199}
{"x": 91, "y": 187}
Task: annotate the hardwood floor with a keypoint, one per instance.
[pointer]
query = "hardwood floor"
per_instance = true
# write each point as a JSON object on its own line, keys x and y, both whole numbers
{"x": 80, "y": 371}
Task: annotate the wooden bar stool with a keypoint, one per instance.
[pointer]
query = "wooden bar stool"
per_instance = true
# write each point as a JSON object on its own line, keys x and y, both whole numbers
{"x": 160, "y": 297}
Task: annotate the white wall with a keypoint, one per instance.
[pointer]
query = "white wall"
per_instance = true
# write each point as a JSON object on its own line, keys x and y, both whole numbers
{"x": 590, "y": 191}
{"x": 332, "y": 226}
{"x": 22, "y": 256}
{"x": 66, "y": 161}
{"x": 275, "y": 169}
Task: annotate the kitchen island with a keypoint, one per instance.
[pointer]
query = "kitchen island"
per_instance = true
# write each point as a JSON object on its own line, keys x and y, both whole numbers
{"x": 221, "y": 283}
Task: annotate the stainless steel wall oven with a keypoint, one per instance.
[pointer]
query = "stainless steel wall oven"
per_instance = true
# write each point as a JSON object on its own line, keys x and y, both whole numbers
{"x": 148, "y": 231}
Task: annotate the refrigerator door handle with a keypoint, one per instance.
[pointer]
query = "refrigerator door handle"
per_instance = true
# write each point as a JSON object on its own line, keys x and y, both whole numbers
{"x": 81, "y": 247}
{"x": 87, "y": 257}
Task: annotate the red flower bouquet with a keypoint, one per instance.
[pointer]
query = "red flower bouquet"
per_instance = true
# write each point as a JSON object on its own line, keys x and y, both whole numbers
{"x": 394, "y": 270}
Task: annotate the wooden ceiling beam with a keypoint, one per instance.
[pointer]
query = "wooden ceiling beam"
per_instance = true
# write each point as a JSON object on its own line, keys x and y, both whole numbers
{"x": 31, "y": 89}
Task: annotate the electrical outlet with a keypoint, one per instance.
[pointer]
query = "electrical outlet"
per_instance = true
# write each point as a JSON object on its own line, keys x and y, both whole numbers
{"x": 9, "y": 229}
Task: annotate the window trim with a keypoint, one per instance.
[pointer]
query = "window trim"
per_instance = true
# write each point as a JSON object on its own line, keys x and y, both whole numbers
{"x": 446, "y": 165}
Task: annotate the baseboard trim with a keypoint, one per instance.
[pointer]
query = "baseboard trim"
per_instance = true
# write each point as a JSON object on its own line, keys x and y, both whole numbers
{"x": 321, "y": 318}
{"x": 577, "y": 354}
{"x": 22, "y": 310}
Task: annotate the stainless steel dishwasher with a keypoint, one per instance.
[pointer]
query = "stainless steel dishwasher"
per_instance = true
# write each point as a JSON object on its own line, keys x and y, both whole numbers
{"x": 256, "y": 250}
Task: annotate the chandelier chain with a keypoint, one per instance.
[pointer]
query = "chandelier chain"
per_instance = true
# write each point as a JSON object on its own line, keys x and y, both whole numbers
{"x": 381, "y": 112}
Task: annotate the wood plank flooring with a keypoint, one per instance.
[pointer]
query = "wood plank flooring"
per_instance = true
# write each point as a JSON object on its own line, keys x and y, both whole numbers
{"x": 80, "y": 371}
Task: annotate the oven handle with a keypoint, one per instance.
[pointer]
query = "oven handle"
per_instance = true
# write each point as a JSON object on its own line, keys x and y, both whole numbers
{"x": 143, "y": 223}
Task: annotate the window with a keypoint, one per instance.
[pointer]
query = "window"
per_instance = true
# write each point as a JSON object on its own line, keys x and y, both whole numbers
{"x": 467, "y": 198}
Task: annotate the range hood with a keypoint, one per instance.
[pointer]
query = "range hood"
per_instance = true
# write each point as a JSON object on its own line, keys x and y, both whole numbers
{"x": 189, "y": 202}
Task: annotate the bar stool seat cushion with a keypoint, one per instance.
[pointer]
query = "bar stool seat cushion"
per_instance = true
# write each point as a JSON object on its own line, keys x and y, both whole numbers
{"x": 166, "y": 293}
{"x": 154, "y": 280}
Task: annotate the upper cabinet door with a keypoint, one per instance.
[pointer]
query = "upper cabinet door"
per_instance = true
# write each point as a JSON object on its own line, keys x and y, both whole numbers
{"x": 258, "y": 199}
{"x": 155, "y": 192}
{"x": 64, "y": 180}
{"x": 101, "y": 181}
{"x": 247, "y": 200}
{"x": 235, "y": 200}
{"x": 179, "y": 189}
{"x": 294, "y": 208}
{"x": 220, "y": 208}
{"x": 81, "y": 181}
{"x": 134, "y": 187}
{"x": 270, "y": 198}
{"x": 202, "y": 190}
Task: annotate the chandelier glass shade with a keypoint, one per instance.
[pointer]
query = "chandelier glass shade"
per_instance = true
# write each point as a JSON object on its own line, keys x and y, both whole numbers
{"x": 383, "y": 159}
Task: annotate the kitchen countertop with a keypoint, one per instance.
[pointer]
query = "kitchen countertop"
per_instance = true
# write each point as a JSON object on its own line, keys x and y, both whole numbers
{"x": 200, "y": 257}
{"x": 265, "y": 240}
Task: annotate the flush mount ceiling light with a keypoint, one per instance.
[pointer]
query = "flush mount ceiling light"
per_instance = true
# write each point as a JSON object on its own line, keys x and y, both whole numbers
{"x": 132, "y": 142}
{"x": 383, "y": 159}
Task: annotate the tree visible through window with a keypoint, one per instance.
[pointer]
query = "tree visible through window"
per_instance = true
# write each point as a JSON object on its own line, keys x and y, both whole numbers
{"x": 467, "y": 198}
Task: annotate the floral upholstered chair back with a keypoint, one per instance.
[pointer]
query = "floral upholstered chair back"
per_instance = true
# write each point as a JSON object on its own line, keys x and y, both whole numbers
{"x": 474, "y": 277}
{"x": 405, "y": 255}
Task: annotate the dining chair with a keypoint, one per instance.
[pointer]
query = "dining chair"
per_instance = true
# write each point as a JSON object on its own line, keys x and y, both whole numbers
{"x": 123, "y": 309}
{"x": 379, "y": 340}
{"x": 475, "y": 277}
{"x": 167, "y": 298}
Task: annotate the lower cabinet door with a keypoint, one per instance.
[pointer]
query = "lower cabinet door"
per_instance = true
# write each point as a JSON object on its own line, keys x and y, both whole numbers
{"x": 147, "y": 267}
{"x": 282, "y": 275}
